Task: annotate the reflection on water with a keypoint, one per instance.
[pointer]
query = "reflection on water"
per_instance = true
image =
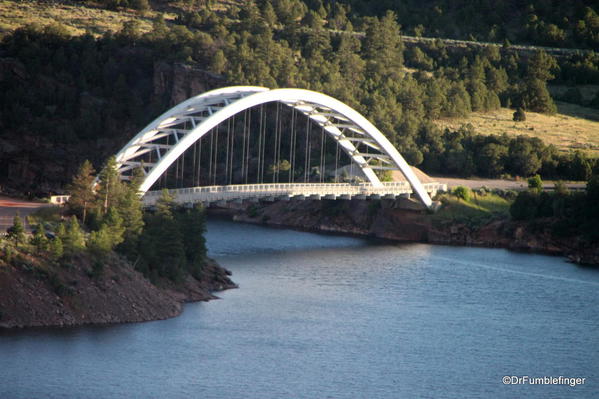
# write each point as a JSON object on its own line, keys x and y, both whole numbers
{"x": 320, "y": 316}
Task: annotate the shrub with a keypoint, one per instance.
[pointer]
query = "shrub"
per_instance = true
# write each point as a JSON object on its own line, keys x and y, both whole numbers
{"x": 535, "y": 183}
{"x": 462, "y": 192}
{"x": 519, "y": 115}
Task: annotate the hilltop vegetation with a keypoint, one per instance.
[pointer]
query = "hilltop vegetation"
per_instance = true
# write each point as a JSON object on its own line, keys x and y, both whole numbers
{"x": 573, "y": 24}
{"x": 549, "y": 23}
{"x": 76, "y": 18}
{"x": 563, "y": 131}
{"x": 88, "y": 95}
{"x": 101, "y": 260}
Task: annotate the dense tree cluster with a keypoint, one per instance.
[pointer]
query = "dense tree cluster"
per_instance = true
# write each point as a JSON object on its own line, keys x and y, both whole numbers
{"x": 172, "y": 243}
{"x": 465, "y": 153}
{"x": 167, "y": 243}
{"x": 571, "y": 213}
{"x": 549, "y": 23}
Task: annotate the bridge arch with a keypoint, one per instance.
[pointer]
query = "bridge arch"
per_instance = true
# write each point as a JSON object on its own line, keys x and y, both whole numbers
{"x": 190, "y": 120}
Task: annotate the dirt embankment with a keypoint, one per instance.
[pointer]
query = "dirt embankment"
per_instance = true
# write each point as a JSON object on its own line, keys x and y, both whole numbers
{"x": 386, "y": 220}
{"x": 86, "y": 292}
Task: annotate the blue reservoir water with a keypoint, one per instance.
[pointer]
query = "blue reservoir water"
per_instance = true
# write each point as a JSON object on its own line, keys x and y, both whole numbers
{"x": 321, "y": 316}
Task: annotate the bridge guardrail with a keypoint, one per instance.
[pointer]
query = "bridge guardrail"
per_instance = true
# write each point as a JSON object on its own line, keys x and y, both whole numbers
{"x": 257, "y": 191}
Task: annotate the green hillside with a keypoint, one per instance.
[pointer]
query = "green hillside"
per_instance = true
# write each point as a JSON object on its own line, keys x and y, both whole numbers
{"x": 84, "y": 83}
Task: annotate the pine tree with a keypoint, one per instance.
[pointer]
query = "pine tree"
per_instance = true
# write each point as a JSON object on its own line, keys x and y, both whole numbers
{"x": 542, "y": 66}
{"x": 192, "y": 224}
{"x": 71, "y": 235}
{"x": 56, "y": 247}
{"x": 536, "y": 97}
{"x": 382, "y": 43}
{"x": 101, "y": 241}
{"x": 131, "y": 206}
{"x": 218, "y": 62}
{"x": 113, "y": 223}
{"x": 269, "y": 15}
{"x": 130, "y": 209}
{"x": 39, "y": 239}
{"x": 161, "y": 243}
{"x": 81, "y": 191}
{"x": 17, "y": 231}
{"x": 110, "y": 187}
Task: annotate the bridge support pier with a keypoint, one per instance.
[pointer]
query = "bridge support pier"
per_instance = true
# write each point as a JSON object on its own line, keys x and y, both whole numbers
{"x": 316, "y": 197}
{"x": 299, "y": 197}
{"x": 330, "y": 197}
{"x": 345, "y": 196}
{"x": 374, "y": 197}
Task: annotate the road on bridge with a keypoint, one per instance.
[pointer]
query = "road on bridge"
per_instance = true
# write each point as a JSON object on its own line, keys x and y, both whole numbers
{"x": 10, "y": 206}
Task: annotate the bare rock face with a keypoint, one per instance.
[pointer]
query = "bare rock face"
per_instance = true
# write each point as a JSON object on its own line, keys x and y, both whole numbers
{"x": 180, "y": 81}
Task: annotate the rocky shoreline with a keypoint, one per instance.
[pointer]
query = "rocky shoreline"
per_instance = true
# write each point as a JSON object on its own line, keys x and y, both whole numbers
{"x": 392, "y": 222}
{"x": 35, "y": 295}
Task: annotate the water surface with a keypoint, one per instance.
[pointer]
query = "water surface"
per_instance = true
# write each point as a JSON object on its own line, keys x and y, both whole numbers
{"x": 321, "y": 316}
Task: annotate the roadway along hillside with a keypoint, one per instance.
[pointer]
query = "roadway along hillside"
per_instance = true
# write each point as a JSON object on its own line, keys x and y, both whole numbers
{"x": 9, "y": 208}
{"x": 500, "y": 183}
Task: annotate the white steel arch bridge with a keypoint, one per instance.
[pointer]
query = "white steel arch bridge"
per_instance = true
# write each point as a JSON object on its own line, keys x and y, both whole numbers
{"x": 163, "y": 142}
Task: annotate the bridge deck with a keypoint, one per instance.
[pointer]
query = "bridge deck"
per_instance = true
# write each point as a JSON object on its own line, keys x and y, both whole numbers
{"x": 286, "y": 191}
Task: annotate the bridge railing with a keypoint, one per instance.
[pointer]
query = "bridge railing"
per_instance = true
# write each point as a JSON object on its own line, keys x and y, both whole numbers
{"x": 274, "y": 190}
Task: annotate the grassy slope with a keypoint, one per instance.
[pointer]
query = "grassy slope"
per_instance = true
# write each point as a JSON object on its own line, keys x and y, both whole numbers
{"x": 572, "y": 128}
{"x": 77, "y": 18}
{"x": 478, "y": 211}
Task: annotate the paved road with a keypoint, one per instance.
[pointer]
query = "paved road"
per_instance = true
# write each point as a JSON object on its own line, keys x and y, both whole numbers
{"x": 527, "y": 48}
{"x": 9, "y": 208}
{"x": 499, "y": 183}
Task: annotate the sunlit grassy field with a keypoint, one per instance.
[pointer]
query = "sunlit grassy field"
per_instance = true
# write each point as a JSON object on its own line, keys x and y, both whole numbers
{"x": 571, "y": 129}
{"x": 479, "y": 210}
{"x": 82, "y": 18}
{"x": 77, "y": 18}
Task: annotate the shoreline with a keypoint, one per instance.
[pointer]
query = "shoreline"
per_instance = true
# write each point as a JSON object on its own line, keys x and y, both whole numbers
{"x": 73, "y": 297}
{"x": 408, "y": 226}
